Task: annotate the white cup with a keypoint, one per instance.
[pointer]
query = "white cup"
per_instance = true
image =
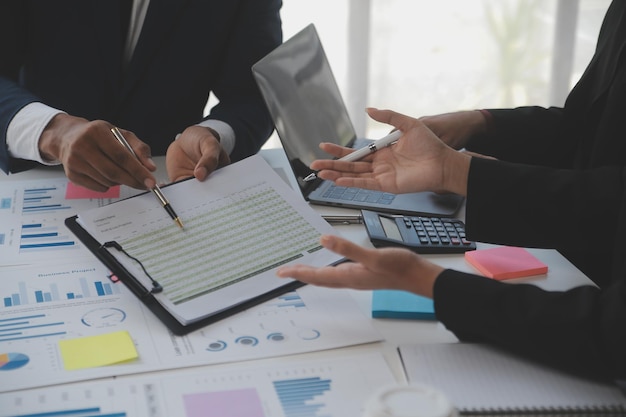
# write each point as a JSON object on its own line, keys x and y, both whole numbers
{"x": 409, "y": 401}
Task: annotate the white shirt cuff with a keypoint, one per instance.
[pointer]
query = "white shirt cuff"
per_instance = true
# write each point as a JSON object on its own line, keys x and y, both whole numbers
{"x": 227, "y": 134}
{"x": 26, "y": 128}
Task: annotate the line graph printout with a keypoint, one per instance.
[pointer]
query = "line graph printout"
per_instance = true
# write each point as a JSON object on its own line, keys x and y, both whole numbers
{"x": 240, "y": 225}
{"x": 32, "y": 216}
{"x": 335, "y": 387}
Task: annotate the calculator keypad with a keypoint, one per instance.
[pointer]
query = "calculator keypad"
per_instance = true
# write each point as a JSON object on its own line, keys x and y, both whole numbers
{"x": 436, "y": 234}
{"x": 437, "y": 231}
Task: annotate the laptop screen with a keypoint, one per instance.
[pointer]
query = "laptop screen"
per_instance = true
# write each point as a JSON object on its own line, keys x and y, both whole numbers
{"x": 303, "y": 98}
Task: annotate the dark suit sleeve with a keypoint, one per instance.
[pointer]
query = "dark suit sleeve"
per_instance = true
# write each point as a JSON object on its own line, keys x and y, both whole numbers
{"x": 240, "y": 102}
{"x": 529, "y": 134}
{"x": 544, "y": 207}
{"x": 582, "y": 329}
{"x": 12, "y": 97}
{"x": 578, "y": 212}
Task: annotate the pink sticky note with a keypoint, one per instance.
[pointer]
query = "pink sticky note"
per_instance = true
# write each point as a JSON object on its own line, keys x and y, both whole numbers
{"x": 74, "y": 191}
{"x": 506, "y": 262}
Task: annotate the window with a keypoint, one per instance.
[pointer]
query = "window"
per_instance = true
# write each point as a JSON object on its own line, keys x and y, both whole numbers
{"x": 424, "y": 57}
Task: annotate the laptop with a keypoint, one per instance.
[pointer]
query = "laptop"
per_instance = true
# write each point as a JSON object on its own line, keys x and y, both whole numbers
{"x": 304, "y": 101}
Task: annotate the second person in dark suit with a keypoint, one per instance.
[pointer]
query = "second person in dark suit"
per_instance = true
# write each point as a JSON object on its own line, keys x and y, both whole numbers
{"x": 72, "y": 69}
{"x": 558, "y": 180}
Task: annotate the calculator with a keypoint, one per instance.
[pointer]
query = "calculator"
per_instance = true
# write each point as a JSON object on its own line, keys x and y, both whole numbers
{"x": 421, "y": 234}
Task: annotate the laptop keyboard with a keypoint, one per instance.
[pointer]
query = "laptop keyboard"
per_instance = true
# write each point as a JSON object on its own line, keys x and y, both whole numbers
{"x": 358, "y": 194}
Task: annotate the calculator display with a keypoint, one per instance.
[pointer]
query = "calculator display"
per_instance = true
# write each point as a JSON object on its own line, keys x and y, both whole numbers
{"x": 391, "y": 228}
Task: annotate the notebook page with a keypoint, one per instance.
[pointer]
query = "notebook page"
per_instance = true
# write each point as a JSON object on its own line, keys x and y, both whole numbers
{"x": 479, "y": 378}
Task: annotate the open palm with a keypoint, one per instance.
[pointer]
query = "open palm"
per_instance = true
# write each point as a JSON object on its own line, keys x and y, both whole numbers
{"x": 413, "y": 164}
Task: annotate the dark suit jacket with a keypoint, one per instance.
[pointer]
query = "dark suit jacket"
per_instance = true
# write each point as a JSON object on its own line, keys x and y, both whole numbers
{"x": 68, "y": 54}
{"x": 560, "y": 183}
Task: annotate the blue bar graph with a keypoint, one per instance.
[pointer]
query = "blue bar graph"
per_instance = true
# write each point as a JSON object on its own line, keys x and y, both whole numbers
{"x": 72, "y": 290}
{"x": 300, "y": 397}
{"x": 18, "y": 298}
{"x": 36, "y": 200}
{"x": 29, "y": 327}
{"x": 290, "y": 299}
{"x": 38, "y": 236}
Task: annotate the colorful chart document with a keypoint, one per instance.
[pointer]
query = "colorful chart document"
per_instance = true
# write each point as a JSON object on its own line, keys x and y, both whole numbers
{"x": 43, "y": 306}
{"x": 291, "y": 388}
{"x": 32, "y": 216}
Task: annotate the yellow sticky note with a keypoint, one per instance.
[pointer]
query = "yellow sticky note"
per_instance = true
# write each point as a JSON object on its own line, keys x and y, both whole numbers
{"x": 94, "y": 351}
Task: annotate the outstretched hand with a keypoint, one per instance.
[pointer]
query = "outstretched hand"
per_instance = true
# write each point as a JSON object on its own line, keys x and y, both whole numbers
{"x": 388, "y": 268}
{"x": 419, "y": 161}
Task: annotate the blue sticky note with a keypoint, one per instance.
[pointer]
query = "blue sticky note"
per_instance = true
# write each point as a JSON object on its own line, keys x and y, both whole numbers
{"x": 392, "y": 304}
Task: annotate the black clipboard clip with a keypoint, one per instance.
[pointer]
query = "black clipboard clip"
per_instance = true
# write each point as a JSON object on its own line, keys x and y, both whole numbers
{"x": 156, "y": 287}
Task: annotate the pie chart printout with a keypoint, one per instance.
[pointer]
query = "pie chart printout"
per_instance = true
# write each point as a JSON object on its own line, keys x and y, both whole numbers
{"x": 10, "y": 361}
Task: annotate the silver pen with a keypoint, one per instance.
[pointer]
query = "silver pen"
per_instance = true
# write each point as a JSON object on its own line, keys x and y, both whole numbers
{"x": 156, "y": 190}
{"x": 361, "y": 153}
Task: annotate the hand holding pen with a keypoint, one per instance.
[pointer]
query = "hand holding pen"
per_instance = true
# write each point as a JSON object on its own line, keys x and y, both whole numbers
{"x": 361, "y": 153}
{"x": 156, "y": 190}
{"x": 418, "y": 161}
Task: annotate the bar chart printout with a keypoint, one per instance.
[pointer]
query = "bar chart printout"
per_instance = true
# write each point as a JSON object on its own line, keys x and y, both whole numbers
{"x": 336, "y": 387}
{"x": 32, "y": 219}
{"x": 30, "y": 326}
{"x": 297, "y": 397}
{"x": 43, "y": 208}
{"x": 60, "y": 290}
{"x": 302, "y": 397}
{"x": 312, "y": 388}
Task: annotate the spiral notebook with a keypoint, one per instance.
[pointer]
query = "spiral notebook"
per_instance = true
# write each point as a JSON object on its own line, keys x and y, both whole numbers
{"x": 479, "y": 379}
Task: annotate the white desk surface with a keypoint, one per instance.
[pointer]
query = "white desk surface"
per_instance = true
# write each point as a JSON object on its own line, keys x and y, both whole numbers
{"x": 562, "y": 275}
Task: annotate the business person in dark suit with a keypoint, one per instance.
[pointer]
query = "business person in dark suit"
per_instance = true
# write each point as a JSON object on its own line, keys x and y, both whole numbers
{"x": 558, "y": 180}
{"x": 587, "y": 133}
{"x": 581, "y": 330}
{"x": 72, "y": 69}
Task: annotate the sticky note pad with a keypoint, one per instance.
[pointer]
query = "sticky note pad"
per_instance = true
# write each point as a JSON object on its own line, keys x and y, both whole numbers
{"x": 506, "y": 262}
{"x": 393, "y": 304}
{"x": 100, "y": 350}
{"x": 74, "y": 191}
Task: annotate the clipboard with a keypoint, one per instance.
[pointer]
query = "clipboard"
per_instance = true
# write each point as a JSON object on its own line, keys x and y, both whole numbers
{"x": 205, "y": 288}
{"x": 147, "y": 298}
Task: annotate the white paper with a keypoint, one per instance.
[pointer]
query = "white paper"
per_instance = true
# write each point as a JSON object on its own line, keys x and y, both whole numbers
{"x": 78, "y": 300}
{"x": 32, "y": 220}
{"x": 240, "y": 225}
{"x": 337, "y": 387}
